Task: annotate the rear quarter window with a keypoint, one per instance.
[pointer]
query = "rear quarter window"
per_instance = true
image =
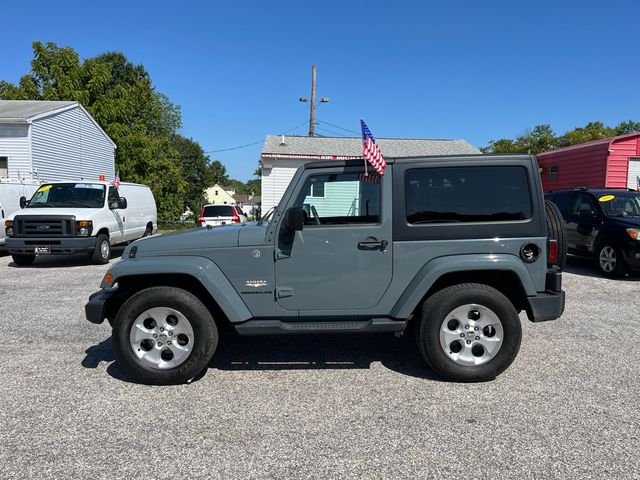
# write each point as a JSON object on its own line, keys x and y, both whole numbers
{"x": 218, "y": 211}
{"x": 467, "y": 194}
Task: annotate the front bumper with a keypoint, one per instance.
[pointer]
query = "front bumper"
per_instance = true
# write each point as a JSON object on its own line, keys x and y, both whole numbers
{"x": 96, "y": 310}
{"x": 547, "y": 305}
{"x": 631, "y": 254}
{"x": 57, "y": 245}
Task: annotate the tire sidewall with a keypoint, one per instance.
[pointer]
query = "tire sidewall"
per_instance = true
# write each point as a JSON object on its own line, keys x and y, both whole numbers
{"x": 620, "y": 267}
{"x": 97, "y": 253}
{"x": 432, "y": 320}
{"x": 202, "y": 323}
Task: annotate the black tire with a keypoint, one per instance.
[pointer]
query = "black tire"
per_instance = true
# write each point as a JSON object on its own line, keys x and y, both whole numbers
{"x": 205, "y": 335}
{"x": 99, "y": 256}
{"x": 148, "y": 232}
{"x": 23, "y": 260}
{"x": 432, "y": 315}
{"x": 557, "y": 230}
{"x": 610, "y": 249}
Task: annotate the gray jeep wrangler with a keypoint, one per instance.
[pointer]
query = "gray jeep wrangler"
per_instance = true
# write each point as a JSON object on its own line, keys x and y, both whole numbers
{"x": 453, "y": 247}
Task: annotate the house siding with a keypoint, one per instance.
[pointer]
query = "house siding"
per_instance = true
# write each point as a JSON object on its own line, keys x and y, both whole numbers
{"x": 618, "y": 163}
{"x": 275, "y": 181}
{"x": 15, "y": 144}
{"x": 586, "y": 166}
{"x": 69, "y": 146}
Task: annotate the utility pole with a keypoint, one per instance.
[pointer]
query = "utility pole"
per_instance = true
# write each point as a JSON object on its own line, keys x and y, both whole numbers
{"x": 312, "y": 107}
{"x": 313, "y": 100}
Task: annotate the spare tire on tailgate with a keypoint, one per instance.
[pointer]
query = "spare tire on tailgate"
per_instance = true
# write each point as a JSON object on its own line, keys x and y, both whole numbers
{"x": 556, "y": 230}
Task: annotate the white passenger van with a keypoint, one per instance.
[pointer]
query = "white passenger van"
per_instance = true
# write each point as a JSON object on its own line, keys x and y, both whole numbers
{"x": 73, "y": 217}
{"x": 10, "y": 193}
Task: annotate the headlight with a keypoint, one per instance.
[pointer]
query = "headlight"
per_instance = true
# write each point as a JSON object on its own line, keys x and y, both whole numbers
{"x": 83, "y": 228}
{"x": 8, "y": 224}
{"x": 634, "y": 233}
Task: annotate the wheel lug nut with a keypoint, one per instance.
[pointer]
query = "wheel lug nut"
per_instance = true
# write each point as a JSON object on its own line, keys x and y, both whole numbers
{"x": 468, "y": 342}
{"x": 462, "y": 335}
{"x": 155, "y": 335}
{"x": 169, "y": 342}
{"x": 467, "y": 327}
{"x": 160, "y": 343}
{"x": 476, "y": 328}
{"x": 477, "y": 338}
{"x": 162, "y": 329}
{"x": 170, "y": 333}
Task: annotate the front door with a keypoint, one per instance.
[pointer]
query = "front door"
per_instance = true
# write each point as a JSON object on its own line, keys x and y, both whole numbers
{"x": 117, "y": 233}
{"x": 342, "y": 258}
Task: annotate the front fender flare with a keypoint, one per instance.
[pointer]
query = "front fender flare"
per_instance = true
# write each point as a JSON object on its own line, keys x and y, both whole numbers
{"x": 436, "y": 268}
{"x": 200, "y": 268}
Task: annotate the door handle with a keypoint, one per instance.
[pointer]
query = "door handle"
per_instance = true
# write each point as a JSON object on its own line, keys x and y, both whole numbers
{"x": 373, "y": 244}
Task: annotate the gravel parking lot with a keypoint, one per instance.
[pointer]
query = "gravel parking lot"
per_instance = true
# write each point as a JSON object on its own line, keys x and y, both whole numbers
{"x": 315, "y": 407}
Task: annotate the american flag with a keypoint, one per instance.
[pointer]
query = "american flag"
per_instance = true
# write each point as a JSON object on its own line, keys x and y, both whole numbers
{"x": 371, "y": 150}
{"x": 116, "y": 181}
{"x": 372, "y": 178}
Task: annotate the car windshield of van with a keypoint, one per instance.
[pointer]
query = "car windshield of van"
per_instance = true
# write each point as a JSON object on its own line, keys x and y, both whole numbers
{"x": 618, "y": 204}
{"x": 84, "y": 195}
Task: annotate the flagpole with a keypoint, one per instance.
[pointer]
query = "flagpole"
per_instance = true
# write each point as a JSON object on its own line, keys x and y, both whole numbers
{"x": 366, "y": 173}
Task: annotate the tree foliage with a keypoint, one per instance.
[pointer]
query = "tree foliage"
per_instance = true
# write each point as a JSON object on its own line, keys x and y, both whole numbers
{"x": 141, "y": 121}
{"x": 542, "y": 138}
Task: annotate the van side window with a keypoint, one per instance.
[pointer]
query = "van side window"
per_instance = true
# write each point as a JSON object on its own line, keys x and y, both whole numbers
{"x": 467, "y": 194}
{"x": 114, "y": 196}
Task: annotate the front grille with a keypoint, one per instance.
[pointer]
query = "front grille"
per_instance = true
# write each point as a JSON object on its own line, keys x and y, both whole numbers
{"x": 44, "y": 226}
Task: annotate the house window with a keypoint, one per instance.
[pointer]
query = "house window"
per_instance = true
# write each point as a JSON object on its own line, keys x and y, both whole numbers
{"x": 216, "y": 193}
{"x": 317, "y": 189}
{"x": 553, "y": 172}
{"x": 4, "y": 167}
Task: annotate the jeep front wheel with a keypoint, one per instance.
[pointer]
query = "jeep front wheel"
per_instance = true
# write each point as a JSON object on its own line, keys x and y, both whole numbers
{"x": 468, "y": 332}
{"x": 164, "y": 336}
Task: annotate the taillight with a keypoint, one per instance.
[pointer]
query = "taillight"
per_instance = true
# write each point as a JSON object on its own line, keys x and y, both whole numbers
{"x": 200, "y": 218}
{"x": 553, "y": 252}
{"x": 236, "y": 217}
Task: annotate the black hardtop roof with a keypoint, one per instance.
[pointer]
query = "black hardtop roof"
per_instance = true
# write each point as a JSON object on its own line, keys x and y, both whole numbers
{"x": 417, "y": 160}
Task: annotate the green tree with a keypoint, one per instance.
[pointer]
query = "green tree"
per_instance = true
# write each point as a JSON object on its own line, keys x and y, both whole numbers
{"x": 140, "y": 120}
{"x": 591, "y": 131}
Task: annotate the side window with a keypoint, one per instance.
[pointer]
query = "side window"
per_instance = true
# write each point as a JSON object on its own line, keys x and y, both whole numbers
{"x": 467, "y": 194}
{"x": 340, "y": 199}
{"x": 564, "y": 201}
{"x": 113, "y": 196}
{"x": 583, "y": 202}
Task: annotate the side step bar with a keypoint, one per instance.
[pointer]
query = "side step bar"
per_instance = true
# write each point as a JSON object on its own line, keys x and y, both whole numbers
{"x": 278, "y": 327}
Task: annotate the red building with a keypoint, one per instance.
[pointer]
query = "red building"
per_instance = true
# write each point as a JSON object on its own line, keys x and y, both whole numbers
{"x": 609, "y": 163}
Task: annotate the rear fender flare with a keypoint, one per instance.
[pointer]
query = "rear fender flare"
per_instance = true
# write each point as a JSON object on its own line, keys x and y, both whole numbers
{"x": 436, "y": 268}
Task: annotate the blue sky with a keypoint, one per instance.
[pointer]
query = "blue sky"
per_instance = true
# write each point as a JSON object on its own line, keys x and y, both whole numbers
{"x": 477, "y": 70}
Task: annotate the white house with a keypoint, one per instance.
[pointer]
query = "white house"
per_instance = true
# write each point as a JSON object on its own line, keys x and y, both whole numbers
{"x": 52, "y": 141}
{"x": 220, "y": 195}
{"x": 281, "y": 156}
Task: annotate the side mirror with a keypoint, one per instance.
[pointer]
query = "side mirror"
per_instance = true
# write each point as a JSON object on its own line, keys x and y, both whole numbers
{"x": 294, "y": 219}
{"x": 23, "y": 201}
{"x": 588, "y": 213}
{"x": 122, "y": 203}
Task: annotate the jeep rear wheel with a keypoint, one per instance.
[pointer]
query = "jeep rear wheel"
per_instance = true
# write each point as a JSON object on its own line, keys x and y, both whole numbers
{"x": 556, "y": 230}
{"x": 468, "y": 332}
{"x": 164, "y": 336}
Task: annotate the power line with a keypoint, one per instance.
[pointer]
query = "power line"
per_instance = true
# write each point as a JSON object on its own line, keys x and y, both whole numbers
{"x": 253, "y": 143}
{"x": 337, "y": 134}
{"x": 338, "y": 126}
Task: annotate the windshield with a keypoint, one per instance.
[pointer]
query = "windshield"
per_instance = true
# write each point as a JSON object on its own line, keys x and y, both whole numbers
{"x": 87, "y": 195}
{"x": 618, "y": 204}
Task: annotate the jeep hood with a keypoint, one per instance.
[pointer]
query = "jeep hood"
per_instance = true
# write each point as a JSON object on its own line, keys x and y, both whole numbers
{"x": 199, "y": 238}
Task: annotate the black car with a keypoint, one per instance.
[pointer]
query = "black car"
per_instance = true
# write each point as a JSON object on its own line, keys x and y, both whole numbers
{"x": 603, "y": 223}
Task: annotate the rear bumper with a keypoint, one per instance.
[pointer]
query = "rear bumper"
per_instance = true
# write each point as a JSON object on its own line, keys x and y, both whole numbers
{"x": 547, "y": 305}
{"x": 96, "y": 309}
{"x": 57, "y": 245}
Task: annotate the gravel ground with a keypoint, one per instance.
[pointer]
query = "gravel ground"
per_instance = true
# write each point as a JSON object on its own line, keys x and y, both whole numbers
{"x": 315, "y": 407}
